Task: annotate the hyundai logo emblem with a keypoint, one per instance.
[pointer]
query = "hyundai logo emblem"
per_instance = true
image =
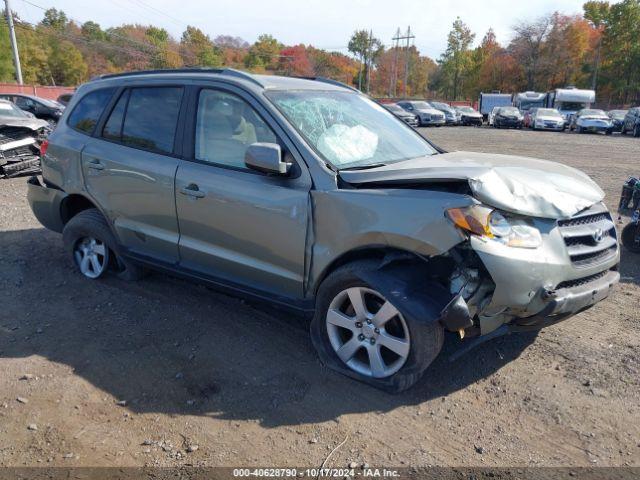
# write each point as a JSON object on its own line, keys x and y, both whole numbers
{"x": 598, "y": 235}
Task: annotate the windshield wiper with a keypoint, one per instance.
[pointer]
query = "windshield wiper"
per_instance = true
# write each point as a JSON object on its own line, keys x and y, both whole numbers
{"x": 363, "y": 167}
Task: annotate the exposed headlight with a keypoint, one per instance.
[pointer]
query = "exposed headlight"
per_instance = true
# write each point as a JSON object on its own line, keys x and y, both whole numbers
{"x": 492, "y": 224}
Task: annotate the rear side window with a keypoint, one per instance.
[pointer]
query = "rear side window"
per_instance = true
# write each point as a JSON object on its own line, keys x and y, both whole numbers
{"x": 151, "y": 118}
{"x": 86, "y": 113}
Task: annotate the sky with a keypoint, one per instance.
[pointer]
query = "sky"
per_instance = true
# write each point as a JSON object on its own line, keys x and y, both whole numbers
{"x": 325, "y": 24}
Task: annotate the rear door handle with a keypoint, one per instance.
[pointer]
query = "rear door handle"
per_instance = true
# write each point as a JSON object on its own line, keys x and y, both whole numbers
{"x": 192, "y": 190}
{"x": 95, "y": 164}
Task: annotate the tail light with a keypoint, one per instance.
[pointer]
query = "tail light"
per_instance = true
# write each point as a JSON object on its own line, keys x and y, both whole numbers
{"x": 43, "y": 147}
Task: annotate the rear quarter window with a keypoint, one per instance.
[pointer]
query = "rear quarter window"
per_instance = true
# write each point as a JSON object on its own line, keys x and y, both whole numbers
{"x": 86, "y": 113}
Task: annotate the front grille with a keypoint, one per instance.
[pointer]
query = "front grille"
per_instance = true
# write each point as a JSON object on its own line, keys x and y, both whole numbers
{"x": 590, "y": 237}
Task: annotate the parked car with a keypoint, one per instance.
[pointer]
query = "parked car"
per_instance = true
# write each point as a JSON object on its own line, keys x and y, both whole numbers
{"x": 65, "y": 98}
{"x": 40, "y": 107}
{"x": 547, "y": 119}
{"x": 487, "y": 102}
{"x": 449, "y": 113}
{"x": 632, "y": 122}
{"x": 307, "y": 194}
{"x": 526, "y": 121}
{"x": 507, "y": 117}
{"x": 468, "y": 116}
{"x": 427, "y": 115}
{"x": 20, "y": 137}
{"x": 492, "y": 115}
{"x": 591, "y": 120}
{"x": 402, "y": 114}
{"x": 617, "y": 119}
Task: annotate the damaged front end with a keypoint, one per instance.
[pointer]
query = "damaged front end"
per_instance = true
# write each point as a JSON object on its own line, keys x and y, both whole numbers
{"x": 538, "y": 243}
{"x": 20, "y": 150}
{"x": 453, "y": 289}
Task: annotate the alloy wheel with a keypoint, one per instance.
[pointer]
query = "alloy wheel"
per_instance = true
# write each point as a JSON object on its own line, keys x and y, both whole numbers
{"x": 91, "y": 256}
{"x": 367, "y": 332}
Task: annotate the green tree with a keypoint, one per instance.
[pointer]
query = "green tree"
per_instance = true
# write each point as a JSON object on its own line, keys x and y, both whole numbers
{"x": 55, "y": 18}
{"x": 264, "y": 53}
{"x": 92, "y": 31}
{"x": 456, "y": 60}
{"x": 198, "y": 50}
{"x": 7, "y": 72}
{"x": 66, "y": 64}
{"x": 621, "y": 48}
{"x": 368, "y": 49}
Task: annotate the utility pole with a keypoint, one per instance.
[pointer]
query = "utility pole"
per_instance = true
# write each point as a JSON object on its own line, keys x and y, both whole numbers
{"x": 14, "y": 43}
{"x": 406, "y": 60}
{"x": 370, "y": 50}
{"x": 394, "y": 67}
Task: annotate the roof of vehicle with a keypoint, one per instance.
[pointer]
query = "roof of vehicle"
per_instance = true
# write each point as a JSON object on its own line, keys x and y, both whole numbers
{"x": 575, "y": 95}
{"x": 265, "y": 82}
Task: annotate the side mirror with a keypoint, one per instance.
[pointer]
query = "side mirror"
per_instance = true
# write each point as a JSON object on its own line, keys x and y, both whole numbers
{"x": 266, "y": 158}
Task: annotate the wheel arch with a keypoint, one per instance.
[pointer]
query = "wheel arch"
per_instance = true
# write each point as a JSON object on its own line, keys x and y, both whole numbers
{"x": 73, "y": 204}
{"x": 367, "y": 252}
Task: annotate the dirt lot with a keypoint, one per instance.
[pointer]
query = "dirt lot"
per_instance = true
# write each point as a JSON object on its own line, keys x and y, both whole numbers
{"x": 164, "y": 372}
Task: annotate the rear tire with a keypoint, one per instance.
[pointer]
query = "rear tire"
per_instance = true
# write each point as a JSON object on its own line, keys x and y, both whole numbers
{"x": 401, "y": 370}
{"x": 89, "y": 234}
{"x": 636, "y": 130}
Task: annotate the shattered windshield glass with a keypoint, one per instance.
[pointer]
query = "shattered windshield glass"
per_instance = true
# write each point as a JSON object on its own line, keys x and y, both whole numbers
{"x": 349, "y": 130}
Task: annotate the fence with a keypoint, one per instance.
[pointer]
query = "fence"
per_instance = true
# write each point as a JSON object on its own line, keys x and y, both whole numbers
{"x": 43, "y": 91}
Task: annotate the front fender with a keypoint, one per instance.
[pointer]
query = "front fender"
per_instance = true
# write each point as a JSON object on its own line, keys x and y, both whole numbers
{"x": 406, "y": 219}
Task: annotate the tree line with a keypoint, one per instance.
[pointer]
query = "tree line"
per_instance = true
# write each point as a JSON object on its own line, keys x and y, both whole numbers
{"x": 599, "y": 48}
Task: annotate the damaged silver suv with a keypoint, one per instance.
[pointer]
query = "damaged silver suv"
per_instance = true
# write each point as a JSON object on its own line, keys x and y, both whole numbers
{"x": 307, "y": 194}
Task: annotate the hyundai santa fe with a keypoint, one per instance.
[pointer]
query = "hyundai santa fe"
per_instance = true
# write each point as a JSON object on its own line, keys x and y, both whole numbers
{"x": 307, "y": 194}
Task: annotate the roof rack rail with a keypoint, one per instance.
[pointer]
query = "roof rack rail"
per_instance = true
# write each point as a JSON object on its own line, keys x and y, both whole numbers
{"x": 223, "y": 71}
{"x": 329, "y": 81}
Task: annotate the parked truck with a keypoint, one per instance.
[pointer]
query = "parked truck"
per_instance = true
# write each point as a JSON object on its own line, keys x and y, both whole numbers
{"x": 568, "y": 101}
{"x": 488, "y": 101}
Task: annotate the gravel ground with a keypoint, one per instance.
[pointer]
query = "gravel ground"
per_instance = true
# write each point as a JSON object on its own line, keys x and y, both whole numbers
{"x": 164, "y": 372}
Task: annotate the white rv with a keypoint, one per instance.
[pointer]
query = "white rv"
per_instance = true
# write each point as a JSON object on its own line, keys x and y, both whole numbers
{"x": 568, "y": 101}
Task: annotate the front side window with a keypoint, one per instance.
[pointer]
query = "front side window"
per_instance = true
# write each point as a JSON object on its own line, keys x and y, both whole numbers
{"x": 151, "y": 118}
{"x": 86, "y": 113}
{"x": 225, "y": 127}
{"x": 349, "y": 130}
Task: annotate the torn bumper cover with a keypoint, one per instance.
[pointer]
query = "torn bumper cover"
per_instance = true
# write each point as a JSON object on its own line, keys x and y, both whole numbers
{"x": 46, "y": 204}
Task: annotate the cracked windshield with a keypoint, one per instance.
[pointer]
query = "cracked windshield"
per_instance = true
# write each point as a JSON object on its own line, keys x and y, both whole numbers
{"x": 349, "y": 130}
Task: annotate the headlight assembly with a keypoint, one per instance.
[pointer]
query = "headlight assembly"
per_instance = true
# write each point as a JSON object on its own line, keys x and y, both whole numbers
{"x": 491, "y": 224}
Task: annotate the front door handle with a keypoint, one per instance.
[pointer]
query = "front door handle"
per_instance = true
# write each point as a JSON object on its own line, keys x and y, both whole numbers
{"x": 192, "y": 190}
{"x": 95, "y": 164}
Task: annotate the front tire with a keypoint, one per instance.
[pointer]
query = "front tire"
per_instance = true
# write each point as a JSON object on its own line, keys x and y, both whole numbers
{"x": 636, "y": 130}
{"x": 358, "y": 332}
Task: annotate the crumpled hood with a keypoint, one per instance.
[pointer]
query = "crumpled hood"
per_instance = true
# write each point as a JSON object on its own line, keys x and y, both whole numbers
{"x": 522, "y": 185}
{"x": 32, "y": 123}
